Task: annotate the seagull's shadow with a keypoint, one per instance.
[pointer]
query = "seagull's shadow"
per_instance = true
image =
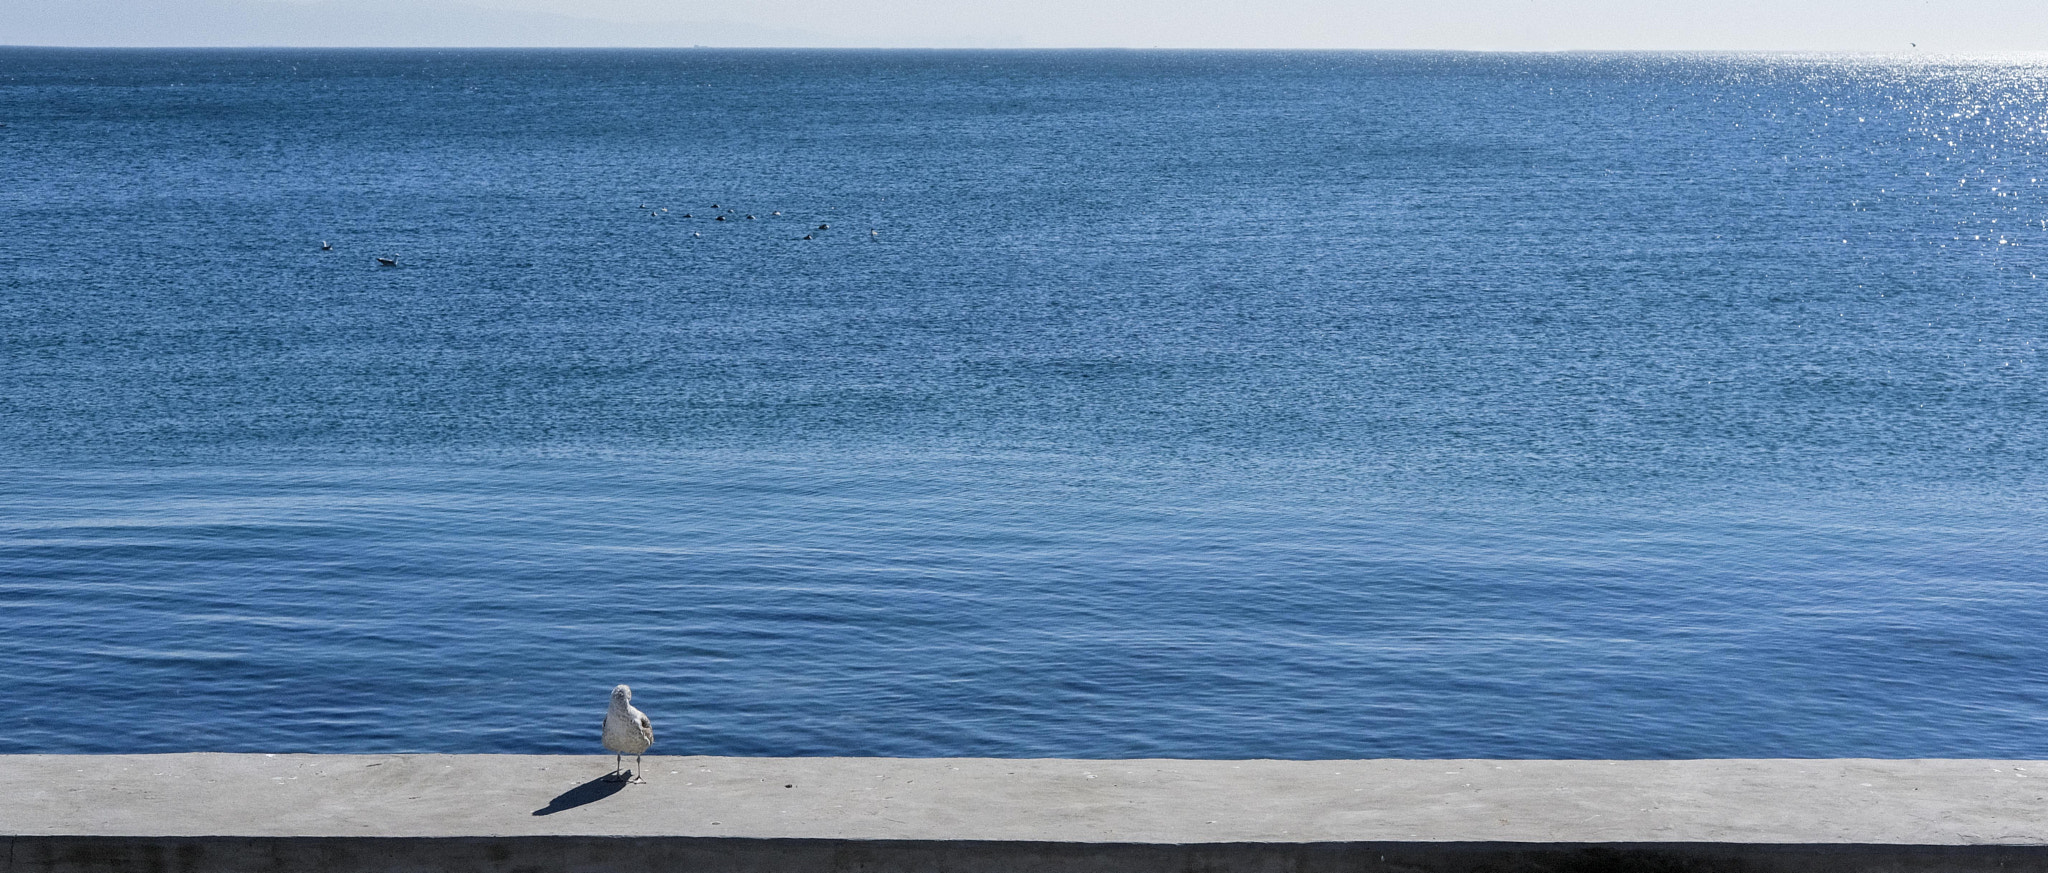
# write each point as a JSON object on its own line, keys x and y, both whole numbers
{"x": 587, "y": 793}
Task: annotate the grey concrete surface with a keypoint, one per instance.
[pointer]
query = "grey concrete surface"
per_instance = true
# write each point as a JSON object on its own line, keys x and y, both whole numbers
{"x": 1926, "y": 803}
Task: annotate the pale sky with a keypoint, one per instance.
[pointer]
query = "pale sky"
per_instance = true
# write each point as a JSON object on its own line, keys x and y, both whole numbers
{"x": 1936, "y": 26}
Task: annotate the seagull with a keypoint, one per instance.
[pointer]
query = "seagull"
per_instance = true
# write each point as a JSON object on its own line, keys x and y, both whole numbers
{"x": 387, "y": 262}
{"x": 824, "y": 227}
{"x": 326, "y": 246}
{"x": 626, "y": 732}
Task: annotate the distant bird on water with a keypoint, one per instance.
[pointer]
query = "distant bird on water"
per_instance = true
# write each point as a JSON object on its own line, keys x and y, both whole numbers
{"x": 326, "y": 246}
{"x": 626, "y": 732}
{"x": 387, "y": 262}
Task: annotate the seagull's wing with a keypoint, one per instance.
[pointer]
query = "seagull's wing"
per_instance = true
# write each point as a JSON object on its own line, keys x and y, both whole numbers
{"x": 606, "y": 725}
{"x": 646, "y": 727}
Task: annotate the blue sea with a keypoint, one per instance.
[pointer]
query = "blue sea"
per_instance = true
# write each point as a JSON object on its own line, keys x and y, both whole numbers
{"x": 1076, "y": 404}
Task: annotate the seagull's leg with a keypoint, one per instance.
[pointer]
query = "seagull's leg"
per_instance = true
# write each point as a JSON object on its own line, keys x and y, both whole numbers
{"x": 636, "y": 770}
{"x": 614, "y": 776}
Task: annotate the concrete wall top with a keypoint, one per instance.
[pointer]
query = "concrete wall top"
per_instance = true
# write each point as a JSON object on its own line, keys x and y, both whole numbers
{"x": 1845, "y": 801}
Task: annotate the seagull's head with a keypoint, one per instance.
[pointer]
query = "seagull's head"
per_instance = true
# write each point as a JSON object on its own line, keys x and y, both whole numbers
{"x": 622, "y": 694}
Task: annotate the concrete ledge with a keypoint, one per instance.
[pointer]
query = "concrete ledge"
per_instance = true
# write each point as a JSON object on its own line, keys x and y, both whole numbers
{"x": 723, "y": 855}
{"x": 347, "y": 813}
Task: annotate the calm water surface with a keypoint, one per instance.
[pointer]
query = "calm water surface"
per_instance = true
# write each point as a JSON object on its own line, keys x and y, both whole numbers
{"x": 1118, "y": 404}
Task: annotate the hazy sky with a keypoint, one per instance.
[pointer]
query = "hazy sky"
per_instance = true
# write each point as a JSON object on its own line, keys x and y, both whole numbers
{"x": 1856, "y": 25}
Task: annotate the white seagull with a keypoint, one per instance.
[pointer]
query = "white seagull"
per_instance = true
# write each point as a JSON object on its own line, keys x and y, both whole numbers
{"x": 626, "y": 732}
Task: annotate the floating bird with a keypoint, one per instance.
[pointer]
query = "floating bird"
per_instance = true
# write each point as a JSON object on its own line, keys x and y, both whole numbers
{"x": 626, "y": 732}
{"x": 750, "y": 218}
{"x": 824, "y": 227}
{"x": 387, "y": 262}
{"x": 775, "y": 213}
{"x": 714, "y": 206}
{"x": 720, "y": 218}
{"x": 807, "y": 236}
{"x": 326, "y": 246}
{"x": 688, "y": 215}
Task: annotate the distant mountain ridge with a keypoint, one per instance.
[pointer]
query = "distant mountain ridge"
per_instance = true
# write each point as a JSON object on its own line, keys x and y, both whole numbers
{"x": 397, "y": 23}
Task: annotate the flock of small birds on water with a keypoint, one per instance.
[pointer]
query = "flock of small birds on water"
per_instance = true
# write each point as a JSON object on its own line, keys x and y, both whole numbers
{"x": 718, "y": 212}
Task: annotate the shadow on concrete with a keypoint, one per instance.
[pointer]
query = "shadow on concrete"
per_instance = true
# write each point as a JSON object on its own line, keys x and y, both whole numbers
{"x": 587, "y": 793}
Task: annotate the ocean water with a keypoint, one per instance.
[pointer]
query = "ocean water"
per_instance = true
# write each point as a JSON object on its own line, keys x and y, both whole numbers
{"x": 1089, "y": 404}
